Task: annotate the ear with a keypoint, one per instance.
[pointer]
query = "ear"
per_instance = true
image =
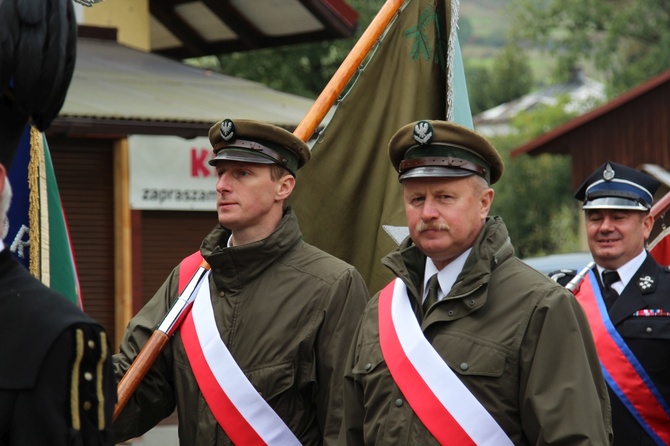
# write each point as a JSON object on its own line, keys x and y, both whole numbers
{"x": 485, "y": 199}
{"x": 285, "y": 187}
{"x": 647, "y": 225}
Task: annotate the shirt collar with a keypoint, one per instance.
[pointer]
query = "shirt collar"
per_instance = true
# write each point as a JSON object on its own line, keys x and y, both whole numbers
{"x": 626, "y": 271}
{"x": 446, "y": 276}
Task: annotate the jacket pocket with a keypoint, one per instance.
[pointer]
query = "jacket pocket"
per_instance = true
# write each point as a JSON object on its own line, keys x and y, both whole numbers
{"x": 368, "y": 360}
{"x": 272, "y": 380}
{"x": 654, "y": 327}
{"x": 468, "y": 356}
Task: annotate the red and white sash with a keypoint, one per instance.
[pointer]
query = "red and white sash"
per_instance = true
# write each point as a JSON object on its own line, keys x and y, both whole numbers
{"x": 441, "y": 401}
{"x": 237, "y": 406}
{"x": 622, "y": 370}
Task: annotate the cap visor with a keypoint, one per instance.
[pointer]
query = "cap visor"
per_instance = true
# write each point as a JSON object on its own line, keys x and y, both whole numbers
{"x": 434, "y": 172}
{"x": 242, "y": 155}
{"x": 614, "y": 203}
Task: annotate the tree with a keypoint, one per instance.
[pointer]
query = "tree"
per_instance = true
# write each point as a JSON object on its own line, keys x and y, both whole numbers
{"x": 509, "y": 78}
{"x": 626, "y": 40}
{"x": 534, "y": 196}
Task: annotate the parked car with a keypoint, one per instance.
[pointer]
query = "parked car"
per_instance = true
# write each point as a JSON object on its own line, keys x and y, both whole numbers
{"x": 555, "y": 262}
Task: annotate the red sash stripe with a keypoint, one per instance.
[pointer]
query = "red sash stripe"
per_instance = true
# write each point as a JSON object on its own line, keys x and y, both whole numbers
{"x": 241, "y": 412}
{"x": 450, "y": 412}
{"x": 233, "y": 423}
{"x": 428, "y": 408}
{"x": 623, "y": 372}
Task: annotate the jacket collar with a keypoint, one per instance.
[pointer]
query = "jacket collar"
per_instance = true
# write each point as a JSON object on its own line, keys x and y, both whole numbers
{"x": 643, "y": 282}
{"x": 237, "y": 265}
{"x": 491, "y": 248}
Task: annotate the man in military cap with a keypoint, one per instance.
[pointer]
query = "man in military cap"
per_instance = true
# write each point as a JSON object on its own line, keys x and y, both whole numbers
{"x": 468, "y": 345}
{"x": 57, "y": 385}
{"x": 258, "y": 360}
{"x": 627, "y": 299}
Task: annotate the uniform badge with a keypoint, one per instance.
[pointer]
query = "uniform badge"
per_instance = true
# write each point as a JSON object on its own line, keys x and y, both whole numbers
{"x": 227, "y": 130}
{"x": 423, "y": 132}
{"x": 608, "y": 174}
{"x": 645, "y": 282}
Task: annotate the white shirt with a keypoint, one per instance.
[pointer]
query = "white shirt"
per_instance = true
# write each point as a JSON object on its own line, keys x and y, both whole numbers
{"x": 626, "y": 272}
{"x": 446, "y": 277}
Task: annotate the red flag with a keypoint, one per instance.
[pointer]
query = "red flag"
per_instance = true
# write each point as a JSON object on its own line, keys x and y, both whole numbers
{"x": 659, "y": 248}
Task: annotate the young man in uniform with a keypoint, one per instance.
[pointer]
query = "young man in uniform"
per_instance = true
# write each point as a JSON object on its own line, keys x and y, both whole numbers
{"x": 626, "y": 297}
{"x": 468, "y": 345}
{"x": 280, "y": 311}
{"x": 57, "y": 384}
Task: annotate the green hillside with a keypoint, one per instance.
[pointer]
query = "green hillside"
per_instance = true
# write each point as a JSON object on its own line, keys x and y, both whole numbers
{"x": 483, "y": 28}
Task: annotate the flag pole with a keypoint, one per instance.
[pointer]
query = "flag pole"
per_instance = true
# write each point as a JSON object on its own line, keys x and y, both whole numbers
{"x": 157, "y": 341}
{"x": 344, "y": 73}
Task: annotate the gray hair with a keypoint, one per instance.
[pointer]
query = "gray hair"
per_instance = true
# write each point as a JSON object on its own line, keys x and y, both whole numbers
{"x": 5, "y": 199}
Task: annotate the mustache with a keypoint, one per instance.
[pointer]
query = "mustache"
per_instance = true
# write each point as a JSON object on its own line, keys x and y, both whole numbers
{"x": 423, "y": 226}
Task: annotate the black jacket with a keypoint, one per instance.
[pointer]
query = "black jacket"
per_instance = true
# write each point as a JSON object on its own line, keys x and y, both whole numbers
{"x": 648, "y": 338}
{"x": 56, "y": 381}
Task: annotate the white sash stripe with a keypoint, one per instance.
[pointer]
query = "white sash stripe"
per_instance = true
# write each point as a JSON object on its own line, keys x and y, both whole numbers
{"x": 447, "y": 387}
{"x": 264, "y": 420}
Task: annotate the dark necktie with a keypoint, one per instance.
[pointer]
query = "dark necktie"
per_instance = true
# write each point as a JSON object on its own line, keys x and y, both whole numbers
{"x": 431, "y": 298}
{"x": 609, "y": 293}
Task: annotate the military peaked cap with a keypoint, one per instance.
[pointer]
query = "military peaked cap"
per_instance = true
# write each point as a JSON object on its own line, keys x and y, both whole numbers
{"x": 257, "y": 142}
{"x": 435, "y": 149}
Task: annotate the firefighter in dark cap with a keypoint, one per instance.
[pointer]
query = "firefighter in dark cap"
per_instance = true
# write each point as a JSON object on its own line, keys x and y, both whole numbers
{"x": 468, "y": 345}
{"x": 627, "y": 299}
{"x": 57, "y": 385}
{"x": 258, "y": 360}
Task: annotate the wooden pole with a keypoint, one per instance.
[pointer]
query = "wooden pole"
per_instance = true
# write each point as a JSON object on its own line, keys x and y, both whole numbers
{"x": 138, "y": 369}
{"x": 157, "y": 341}
{"x": 123, "y": 291}
{"x": 344, "y": 73}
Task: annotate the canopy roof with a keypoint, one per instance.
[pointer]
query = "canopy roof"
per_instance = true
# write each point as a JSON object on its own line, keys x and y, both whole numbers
{"x": 182, "y": 29}
{"x": 116, "y": 89}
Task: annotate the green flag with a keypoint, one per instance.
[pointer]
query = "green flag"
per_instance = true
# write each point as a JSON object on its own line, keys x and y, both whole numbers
{"x": 59, "y": 255}
{"x": 349, "y": 190}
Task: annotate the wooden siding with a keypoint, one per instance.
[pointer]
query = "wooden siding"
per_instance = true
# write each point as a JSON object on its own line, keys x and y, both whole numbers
{"x": 633, "y": 129}
{"x": 633, "y": 135}
{"x": 166, "y": 238}
{"x": 83, "y": 170}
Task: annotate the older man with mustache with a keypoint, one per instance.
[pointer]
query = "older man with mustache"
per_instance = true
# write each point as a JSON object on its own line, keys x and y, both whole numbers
{"x": 468, "y": 345}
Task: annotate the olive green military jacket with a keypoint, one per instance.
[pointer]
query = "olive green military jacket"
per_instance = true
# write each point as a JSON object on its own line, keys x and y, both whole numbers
{"x": 286, "y": 311}
{"x": 517, "y": 340}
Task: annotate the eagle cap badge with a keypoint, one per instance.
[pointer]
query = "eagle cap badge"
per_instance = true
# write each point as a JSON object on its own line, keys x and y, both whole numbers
{"x": 423, "y": 132}
{"x": 227, "y": 129}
